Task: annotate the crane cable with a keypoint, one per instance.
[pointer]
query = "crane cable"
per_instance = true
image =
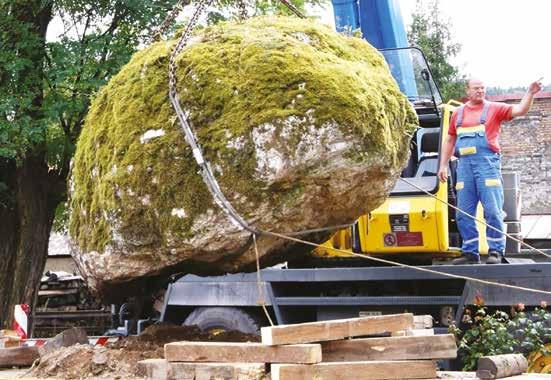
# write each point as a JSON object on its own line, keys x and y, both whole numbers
{"x": 205, "y": 168}
{"x": 474, "y": 217}
{"x": 394, "y": 263}
{"x": 421, "y": 269}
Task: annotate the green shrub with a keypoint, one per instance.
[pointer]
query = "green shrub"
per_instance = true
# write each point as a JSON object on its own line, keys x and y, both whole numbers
{"x": 499, "y": 333}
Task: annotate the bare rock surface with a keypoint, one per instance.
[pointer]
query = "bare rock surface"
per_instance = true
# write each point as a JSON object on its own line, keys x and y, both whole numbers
{"x": 69, "y": 337}
{"x": 303, "y": 127}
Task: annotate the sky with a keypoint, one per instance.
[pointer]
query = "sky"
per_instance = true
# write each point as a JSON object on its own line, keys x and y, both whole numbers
{"x": 505, "y": 43}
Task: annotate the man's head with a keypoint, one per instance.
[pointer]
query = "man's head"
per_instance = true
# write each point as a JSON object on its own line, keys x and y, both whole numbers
{"x": 475, "y": 90}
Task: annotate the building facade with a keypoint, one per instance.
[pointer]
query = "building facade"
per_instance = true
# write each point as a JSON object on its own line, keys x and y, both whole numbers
{"x": 526, "y": 148}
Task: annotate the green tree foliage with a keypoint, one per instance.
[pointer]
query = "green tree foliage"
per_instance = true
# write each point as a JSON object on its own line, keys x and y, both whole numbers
{"x": 512, "y": 90}
{"x": 45, "y": 92}
{"x": 505, "y": 90}
{"x": 429, "y": 32}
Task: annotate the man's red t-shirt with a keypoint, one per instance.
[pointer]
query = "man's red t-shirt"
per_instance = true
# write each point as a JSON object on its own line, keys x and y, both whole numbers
{"x": 497, "y": 113}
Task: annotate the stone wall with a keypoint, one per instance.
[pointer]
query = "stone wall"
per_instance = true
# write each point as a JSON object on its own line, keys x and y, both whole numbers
{"x": 526, "y": 148}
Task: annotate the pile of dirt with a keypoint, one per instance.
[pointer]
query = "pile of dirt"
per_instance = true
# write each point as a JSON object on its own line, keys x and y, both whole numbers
{"x": 119, "y": 360}
{"x": 88, "y": 362}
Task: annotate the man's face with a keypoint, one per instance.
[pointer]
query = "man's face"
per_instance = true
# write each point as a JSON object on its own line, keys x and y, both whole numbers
{"x": 476, "y": 91}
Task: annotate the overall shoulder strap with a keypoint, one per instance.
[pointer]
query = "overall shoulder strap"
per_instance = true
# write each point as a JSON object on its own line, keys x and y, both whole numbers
{"x": 484, "y": 115}
{"x": 459, "y": 121}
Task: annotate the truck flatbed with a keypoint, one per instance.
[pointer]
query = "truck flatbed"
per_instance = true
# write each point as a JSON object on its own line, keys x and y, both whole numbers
{"x": 295, "y": 295}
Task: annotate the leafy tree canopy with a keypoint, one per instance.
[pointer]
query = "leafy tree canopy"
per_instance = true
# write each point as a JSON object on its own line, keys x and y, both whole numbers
{"x": 43, "y": 110}
{"x": 429, "y": 32}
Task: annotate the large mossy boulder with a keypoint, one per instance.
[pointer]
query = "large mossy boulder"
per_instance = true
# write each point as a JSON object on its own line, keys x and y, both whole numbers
{"x": 303, "y": 127}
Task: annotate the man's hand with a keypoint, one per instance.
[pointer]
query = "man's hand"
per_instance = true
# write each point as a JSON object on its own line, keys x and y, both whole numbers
{"x": 523, "y": 107}
{"x": 443, "y": 174}
{"x": 535, "y": 87}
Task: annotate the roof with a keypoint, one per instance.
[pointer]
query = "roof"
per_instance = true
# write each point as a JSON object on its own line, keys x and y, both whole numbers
{"x": 512, "y": 96}
{"x": 517, "y": 96}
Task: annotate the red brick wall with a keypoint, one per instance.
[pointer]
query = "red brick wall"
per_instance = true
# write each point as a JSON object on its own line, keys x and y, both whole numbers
{"x": 526, "y": 148}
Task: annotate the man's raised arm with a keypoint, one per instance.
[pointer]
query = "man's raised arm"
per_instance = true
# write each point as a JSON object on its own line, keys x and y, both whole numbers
{"x": 524, "y": 106}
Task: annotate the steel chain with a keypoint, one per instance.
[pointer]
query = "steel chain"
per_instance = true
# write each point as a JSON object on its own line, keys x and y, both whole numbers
{"x": 242, "y": 9}
{"x": 169, "y": 20}
{"x": 293, "y": 8}
{"x": 205, "y": 169}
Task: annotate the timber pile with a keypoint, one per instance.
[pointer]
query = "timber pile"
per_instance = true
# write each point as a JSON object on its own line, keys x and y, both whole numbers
{"x": 356, "y": 348}
{"x": 11, "y": 354}
{"x": 18, "y": 356}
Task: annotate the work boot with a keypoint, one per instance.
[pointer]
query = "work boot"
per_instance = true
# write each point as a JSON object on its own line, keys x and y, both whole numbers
{"x": 466, "y": 259}
{"x": 494, "y": 258}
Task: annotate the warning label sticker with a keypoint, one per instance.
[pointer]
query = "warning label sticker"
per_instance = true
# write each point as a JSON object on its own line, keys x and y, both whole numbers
{"x": 403, "y": 239}
{"x": 389, "y": 240}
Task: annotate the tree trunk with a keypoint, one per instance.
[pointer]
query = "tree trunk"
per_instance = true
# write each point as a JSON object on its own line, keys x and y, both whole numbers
{"x": 9, "y": 238}
{"x": 24, "y": 235}
{"x": 32, "y": 192}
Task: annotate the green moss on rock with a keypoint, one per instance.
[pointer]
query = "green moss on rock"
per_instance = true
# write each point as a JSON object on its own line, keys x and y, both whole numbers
{"x": 265, "y": 97}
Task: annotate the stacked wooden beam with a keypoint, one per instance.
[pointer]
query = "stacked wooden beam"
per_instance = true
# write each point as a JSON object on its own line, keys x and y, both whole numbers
{"x": 318, "y": 350}
{"x": 9, "y": 339}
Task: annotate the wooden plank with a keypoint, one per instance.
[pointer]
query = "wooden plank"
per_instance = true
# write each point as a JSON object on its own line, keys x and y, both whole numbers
{"x": 154, "y": 369}
{"x": 422, "y": 326}
{"x": 225, "y": 371}
{"x": 422, "y": 322}
{"x": 457, "y": 375}
{"x": 9, "y": 334}
{"x": 414, "y": 332}
{"x": 18, "y": 356}
{"x": 335, "y": 329}
{"x": 161, "y": 369}
{"x": 241, "y": 352}
{"x": 10, "y": 342}
{"x": 375, "y": 370}
{"x": 392, "y": 348}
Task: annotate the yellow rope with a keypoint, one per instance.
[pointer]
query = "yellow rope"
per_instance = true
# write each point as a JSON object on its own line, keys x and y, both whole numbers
{"x": 389, "y": 262}
{"x": 261, "y": 301}
{"x": 420, "y": 269}
{"x": 475, "y": 218}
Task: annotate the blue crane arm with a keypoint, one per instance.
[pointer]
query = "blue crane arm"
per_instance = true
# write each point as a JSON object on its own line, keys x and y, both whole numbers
{"x": 382, "y": 26}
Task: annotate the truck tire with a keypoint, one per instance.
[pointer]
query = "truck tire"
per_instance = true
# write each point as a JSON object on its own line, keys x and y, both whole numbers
{"x": 223, "y": 318}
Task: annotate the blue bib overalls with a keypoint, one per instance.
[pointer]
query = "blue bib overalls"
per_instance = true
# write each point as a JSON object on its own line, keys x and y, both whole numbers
{"x": 478, "y": 179}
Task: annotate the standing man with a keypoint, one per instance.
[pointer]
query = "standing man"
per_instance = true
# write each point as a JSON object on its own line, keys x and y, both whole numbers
{"x": 473, "y": 136}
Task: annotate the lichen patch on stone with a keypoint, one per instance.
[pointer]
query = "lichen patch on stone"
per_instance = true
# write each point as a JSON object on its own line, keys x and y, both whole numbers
{"x": 152, "y": 133}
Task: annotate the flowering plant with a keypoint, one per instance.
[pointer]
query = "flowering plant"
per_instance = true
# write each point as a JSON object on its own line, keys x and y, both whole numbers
{"x": 500, "y": 333}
